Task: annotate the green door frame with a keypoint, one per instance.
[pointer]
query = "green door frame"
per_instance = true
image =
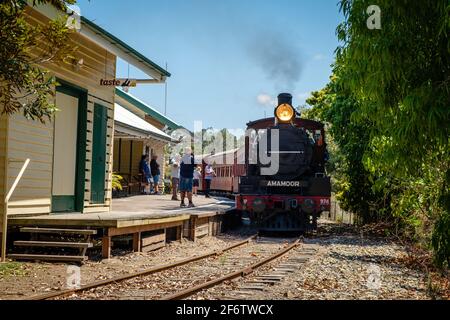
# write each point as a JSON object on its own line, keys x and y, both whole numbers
{"x": 82, "y": 95}
{"x": 98, "y": 171}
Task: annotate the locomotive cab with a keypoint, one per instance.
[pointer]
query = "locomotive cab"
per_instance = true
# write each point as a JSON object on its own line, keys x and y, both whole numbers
{"x": 292, "y": 197}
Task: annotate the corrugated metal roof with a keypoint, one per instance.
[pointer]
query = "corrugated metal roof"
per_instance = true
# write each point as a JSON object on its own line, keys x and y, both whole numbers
{"x": 123, "y": 46}
{"x": 148, "y": 109}
{"x": 123, "y": 116}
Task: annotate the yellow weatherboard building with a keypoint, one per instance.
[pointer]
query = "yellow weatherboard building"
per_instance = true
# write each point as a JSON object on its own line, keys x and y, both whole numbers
{"x": 71, "y": 157}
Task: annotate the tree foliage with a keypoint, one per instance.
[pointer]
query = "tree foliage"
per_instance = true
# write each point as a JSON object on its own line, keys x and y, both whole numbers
{"x": 25, "y": 84}
{"x": 348, "y": 141}
{"x": 388, "y": 109}
{"x": 402, "y": 74}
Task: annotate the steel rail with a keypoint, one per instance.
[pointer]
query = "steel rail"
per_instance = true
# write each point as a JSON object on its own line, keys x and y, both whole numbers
{"x": 139, "y": 274}
{"x": 240, "y": 273}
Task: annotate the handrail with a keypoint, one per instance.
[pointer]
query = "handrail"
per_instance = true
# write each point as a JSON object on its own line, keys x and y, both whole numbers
{"x": 16, "y": 182}
{"x": 8, "y": 196}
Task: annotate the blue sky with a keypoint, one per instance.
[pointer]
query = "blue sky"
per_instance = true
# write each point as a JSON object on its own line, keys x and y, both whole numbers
{"x": 228, "y": 59}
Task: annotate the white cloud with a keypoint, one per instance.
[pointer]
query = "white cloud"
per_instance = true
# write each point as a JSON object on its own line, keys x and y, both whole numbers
{"x": 266, "y": 100}
{"x": 318, "y": 57}
{"x": 303, "y": 96}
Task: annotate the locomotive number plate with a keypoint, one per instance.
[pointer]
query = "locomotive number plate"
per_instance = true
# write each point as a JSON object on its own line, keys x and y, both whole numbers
{"x": 284, "y": 184}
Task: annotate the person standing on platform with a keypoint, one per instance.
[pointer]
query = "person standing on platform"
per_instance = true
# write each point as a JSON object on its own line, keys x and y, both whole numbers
{"x": 209, "y": 175}
{"x": 175, "y": 174}
{"x": 197, "y": 178}
{"x": 144, "y": 170}
{"x": 154, "y": 166}
{"x": 186, "y": 177}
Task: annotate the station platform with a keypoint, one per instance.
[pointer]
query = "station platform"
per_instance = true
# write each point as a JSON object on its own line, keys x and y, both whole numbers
{"x": 150, "y": 219}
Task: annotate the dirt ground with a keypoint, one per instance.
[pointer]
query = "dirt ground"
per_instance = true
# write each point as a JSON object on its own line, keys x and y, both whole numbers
{"x": 19, "y": 280}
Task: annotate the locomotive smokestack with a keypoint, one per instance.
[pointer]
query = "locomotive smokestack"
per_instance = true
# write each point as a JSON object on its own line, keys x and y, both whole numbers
{"x": 285, "y": 98}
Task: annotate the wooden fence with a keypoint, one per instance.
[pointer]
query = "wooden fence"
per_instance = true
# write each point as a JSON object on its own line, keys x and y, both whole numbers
{"x": 339, "y": 215}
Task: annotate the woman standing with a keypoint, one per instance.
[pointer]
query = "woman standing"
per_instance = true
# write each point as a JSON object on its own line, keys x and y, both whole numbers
{"x": 209, "y": 175}
{"x": 197, "y": 178}
{"x": 175, "y": 174}
{"x": 154, "y": 166}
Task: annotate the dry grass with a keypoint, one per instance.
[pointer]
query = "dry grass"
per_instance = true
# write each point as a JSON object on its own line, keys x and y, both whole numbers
{"x": 438, "y": 281}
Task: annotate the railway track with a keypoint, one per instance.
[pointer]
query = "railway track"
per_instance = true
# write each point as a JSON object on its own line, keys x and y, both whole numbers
{"x": 258, "y": 285}
{"x": 186, "y": 277}
{"x": 244, "y": 269}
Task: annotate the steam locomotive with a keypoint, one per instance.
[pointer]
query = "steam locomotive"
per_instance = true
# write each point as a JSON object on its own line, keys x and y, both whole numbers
{"x": 278, "y": 178}
{"x": 292, "y": 195}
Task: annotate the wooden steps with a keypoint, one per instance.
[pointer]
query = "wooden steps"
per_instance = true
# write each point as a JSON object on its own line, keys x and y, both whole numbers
{"x": 78, "y": 245}
{"x": 46, "y": 257}
{"x": 59, "y": 231}
{"x": 69, "y": 241}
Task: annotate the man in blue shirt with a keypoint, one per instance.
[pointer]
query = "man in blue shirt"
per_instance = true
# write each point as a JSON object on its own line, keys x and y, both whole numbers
{"x": 144, "y": 169}
{"x": 187, "y": 166}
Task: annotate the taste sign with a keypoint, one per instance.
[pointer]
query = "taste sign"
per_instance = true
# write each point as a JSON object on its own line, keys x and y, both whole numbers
{"x": 118, "y": 82}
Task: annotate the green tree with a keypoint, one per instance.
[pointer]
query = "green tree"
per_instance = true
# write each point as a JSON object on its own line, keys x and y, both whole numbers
{"x": 347, "y": 142}
{"x": 216, "y": 140}
{"x": 399, "y": 75}
{"x": 26, "y": 85}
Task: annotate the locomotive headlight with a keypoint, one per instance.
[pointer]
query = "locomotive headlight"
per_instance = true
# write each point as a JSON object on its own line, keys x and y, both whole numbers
{"x": 284, "y": 112}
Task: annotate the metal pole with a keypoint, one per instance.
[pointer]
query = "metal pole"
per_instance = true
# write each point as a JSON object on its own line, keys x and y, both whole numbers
{"x": 165, "y": 95}
{"x": 4, "y": 231}
{"x": 5, "y": 210}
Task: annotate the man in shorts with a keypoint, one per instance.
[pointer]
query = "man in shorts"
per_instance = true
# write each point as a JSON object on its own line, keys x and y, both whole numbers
{"x": 187, "y": 177}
